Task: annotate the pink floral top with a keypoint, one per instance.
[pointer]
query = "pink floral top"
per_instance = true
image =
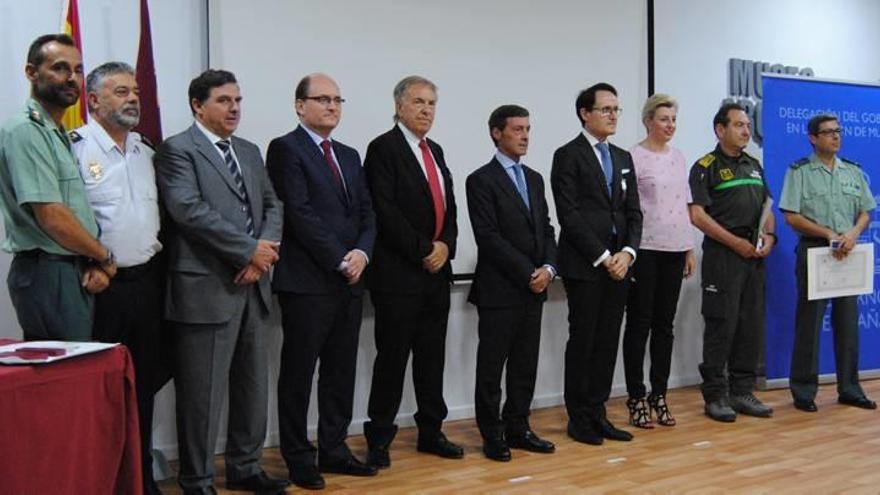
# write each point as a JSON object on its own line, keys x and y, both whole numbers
{"x": 664, "y": 195}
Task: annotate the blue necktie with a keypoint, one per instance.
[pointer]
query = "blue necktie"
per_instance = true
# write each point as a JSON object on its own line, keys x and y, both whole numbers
{"x": 235, "y": 170}
{"x": 521, "y": 184}
{"x": 606, "y": 164}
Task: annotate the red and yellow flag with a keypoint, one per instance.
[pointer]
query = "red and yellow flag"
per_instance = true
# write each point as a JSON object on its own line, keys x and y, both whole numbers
{"x": 75, "y": 116}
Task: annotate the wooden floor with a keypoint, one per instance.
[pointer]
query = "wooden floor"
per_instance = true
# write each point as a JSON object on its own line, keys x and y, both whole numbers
{"x": 836, "y": 450}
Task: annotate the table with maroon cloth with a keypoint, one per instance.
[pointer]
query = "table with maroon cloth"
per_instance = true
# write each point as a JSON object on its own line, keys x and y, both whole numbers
{"x": 70, "y": 427}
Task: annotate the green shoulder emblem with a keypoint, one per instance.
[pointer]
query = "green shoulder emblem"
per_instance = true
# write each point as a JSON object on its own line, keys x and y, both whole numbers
{"x": 707, "y": 160}
{"x": 35, "y": 115}
{"x": 800, "y": 163}
{"x": 849, "y": 162}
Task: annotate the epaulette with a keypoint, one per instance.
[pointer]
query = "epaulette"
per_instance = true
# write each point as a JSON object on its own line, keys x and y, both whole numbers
{"x": 707, "y": 160}
{"x": 146, "y": 141}
{"x": 35, "y": 115}
{"x": 800, "y": 163}
{"x": 849, "y": 162}
{"x": 74, "y": 136}
{"x": 750, "y": 157}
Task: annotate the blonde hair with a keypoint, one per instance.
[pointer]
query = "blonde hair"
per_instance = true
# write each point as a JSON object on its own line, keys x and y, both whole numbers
{"x": 655, "y": 101}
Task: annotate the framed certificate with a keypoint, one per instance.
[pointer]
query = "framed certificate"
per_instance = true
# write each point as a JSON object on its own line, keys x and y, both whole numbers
{"x": 828, "y": 277}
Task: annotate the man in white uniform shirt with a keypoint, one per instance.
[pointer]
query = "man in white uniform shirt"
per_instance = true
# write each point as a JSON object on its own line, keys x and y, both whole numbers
{"x": 116, "y": 165}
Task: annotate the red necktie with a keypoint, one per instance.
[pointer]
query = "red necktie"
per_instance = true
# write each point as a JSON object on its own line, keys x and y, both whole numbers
{"x": 328, "y": 155}
{"x": 434, "y": 185}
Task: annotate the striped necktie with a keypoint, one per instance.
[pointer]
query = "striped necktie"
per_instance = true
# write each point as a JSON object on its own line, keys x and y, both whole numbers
{"x": 235, "y": 170}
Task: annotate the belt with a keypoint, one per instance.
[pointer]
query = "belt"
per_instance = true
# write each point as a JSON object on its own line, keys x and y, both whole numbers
{"x": 39, "y": 253}
{"x": 136, "y": 271}
{"x": 814, "y": 240}
{"x": 744, "y": 232}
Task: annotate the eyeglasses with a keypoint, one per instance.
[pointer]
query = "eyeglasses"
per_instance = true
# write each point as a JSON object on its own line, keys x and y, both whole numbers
{"x": 829, "y": 132}
{"x": 607, "y": 111}
{"x": 326, "y": 100}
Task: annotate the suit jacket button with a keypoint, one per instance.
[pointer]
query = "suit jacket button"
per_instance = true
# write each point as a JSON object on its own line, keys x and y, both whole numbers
{"x": 243, "y": 208}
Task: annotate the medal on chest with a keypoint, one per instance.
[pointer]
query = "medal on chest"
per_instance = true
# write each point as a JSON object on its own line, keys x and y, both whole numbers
{"x": 96, "y": 170}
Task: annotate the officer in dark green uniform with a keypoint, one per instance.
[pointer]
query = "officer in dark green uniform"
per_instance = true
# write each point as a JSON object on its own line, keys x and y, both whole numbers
{"x": 50, "y": 227}
{"x": 729, "y": 192}
{"x": 826, "y": 198}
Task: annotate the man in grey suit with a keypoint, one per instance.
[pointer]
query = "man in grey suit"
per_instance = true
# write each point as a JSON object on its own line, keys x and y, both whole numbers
{"x": 225, "y": 223}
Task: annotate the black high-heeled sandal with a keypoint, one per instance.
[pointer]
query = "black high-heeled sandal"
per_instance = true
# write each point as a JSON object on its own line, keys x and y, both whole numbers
{"x": 639, "y": 416}
{"x": 660, "y": 409}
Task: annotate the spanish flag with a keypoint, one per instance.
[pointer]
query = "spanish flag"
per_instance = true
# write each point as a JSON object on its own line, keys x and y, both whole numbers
{"x": 75, "y": 116}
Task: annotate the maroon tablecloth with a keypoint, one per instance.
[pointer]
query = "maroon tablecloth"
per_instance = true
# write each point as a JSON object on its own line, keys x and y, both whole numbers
{"x": 70, "y": 427}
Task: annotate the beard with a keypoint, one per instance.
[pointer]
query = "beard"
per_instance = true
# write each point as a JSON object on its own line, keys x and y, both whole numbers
{"x": 127, "y": 117}
{"x": 58, "y": 95}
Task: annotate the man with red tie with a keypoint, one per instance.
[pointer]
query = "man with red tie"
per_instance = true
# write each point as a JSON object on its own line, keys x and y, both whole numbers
{"x": 409, "y": 276}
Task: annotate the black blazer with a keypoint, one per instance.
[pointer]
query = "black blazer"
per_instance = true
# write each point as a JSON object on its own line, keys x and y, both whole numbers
{"x": 405, "y": 215}
{"x": 588, "y": 216}
{"x": 321, "y": 222}
{"x": 512, "y": 240}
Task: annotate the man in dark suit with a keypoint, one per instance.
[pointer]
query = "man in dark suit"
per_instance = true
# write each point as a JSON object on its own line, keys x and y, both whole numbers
{"x": 516, "y": 258}
{"x": 329, "y": 229}
{"x": 409, "y": 275}
{"x": 597, "y": 204}
{"x": 224, "y": 228}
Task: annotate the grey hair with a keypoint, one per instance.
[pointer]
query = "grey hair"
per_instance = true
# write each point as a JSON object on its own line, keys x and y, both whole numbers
{"x": 96, "y": 77}
{"x": 404, "y": 84}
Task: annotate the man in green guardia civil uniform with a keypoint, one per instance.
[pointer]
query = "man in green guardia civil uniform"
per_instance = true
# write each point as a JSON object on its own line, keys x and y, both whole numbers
{"x": 50, "y": 229}
{"x": 826, "y": 198}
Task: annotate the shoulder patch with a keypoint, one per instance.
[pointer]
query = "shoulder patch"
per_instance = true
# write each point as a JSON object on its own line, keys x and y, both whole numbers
{"x": 849, "y": 162}
{"x": 707, "y": 160}
{"x": 36, "y": 117}
{"x": 750, "y": 157}
{"x": 74, "y": 136}
{"x": 146, "y": 141}
{"x": 800, "y": 163}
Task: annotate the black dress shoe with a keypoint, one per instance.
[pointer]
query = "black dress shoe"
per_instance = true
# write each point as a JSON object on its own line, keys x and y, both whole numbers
{"x": 208, "y": 490}
{"x": 805, "y": 405}
{"x": 863, "y": 402}
{"x": 260, "y": 483}
{"x": 584, "y": 433}
{"x": 441, "y": 446}
{"x": 307, "y": 477}
{"x": 379, "y": 457}
{"x": 531, "y": 442}
{"x": 350, "y": 466}
{"x": 607, "y": 430}
{"x": 496, "y": 449}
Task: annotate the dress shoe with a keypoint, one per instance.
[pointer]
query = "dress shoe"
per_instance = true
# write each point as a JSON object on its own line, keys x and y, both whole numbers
{"x": 749, "y": 405}
{"x": 307, "y": 477}
{"x": 260, "y": 483}
{"x": 805, "y": 405}
{"x": 584, "y": 433}
{"x": 609, "y": 431}
{"x": 207, "y": 490}
{"x": 350, "y": 466}
{"x": 441, "y": 446}
{"x": 720, "y": 410}
{"x": 863, "y": 402}
{"x": 531, "y": 442}
{"x": 496, "y": 449}
{"x": 379, "y": 457}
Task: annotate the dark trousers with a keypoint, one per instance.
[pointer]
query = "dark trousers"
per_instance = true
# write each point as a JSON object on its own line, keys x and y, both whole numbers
{"x": 130, "y": 311}
{"x": 595, "y": 311}
{"x": 651, "y": 305}
{"x": 48, "y": 298}
{"x": 733, "y": 309}
{"x": 325, "y": 327}
{"x": 212, "y": 360}
{"x": 509, "y": 335}
{"x": 409, "y": 323}
{"x": 804, "y": 379}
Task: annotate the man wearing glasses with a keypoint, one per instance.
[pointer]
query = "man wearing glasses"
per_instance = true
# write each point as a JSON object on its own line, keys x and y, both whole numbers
{"x": 826, "y": 199}
{"x": 597, "y": 203}
{"x": 329, "y": 229}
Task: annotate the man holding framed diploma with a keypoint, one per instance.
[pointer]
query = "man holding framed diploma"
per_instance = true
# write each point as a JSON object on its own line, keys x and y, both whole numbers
{"x": 826, "y": 199}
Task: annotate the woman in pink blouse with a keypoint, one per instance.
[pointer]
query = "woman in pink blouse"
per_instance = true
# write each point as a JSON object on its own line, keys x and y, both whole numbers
{"x": 665, "y": 256}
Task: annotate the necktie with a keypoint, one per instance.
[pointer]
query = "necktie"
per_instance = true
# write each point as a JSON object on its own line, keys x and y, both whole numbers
{"x": 328, "y": 155}
{"x": 226, "y": 147}
{"x": 434, "y": 186}
{"x": 606, "y": 164}
{"x": 521, "y": 184}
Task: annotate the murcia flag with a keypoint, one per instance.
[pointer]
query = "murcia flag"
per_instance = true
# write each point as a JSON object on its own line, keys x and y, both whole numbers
{"x": 75, "y": 116}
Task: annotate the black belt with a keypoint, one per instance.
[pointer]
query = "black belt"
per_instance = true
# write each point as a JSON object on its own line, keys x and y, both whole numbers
{"x": 39, "y": 253}
{"x": 136, "y": 271}
{"x": 814, "y": 240}
{"x": 744, "y": 232}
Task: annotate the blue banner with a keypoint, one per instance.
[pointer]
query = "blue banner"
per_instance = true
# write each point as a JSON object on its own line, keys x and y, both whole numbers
{"x": 788, "y": 104}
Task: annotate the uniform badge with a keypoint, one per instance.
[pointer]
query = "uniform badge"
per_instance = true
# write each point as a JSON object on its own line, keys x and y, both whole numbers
{"x": 96, "y": 170}
{"x": 725, "y": 173}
